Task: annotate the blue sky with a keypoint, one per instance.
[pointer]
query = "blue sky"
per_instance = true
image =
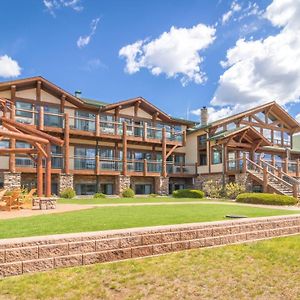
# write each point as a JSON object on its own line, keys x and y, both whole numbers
{"x": 77, "y": 44}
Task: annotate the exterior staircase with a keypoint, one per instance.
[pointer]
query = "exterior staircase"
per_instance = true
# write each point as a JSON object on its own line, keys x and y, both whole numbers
{"x": 272, "y": 178}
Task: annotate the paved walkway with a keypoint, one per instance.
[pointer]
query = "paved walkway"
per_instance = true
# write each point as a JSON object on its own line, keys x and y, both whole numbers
{"x": 60, "y": 208}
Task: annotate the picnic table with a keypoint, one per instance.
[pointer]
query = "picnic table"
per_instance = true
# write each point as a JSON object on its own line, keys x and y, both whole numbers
{"x": 44, "y": 203}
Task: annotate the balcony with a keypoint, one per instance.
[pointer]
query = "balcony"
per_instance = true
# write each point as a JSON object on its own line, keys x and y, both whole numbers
{"x": 57, "y": 162}
{"x": 97, "y": 127}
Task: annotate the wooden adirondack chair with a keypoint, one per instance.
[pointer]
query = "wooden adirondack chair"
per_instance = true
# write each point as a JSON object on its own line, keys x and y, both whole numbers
{"x": 12, "y": 201}
{"x": 26, "y": 201}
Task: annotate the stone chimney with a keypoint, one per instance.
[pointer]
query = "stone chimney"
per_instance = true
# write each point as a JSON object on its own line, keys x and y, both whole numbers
{"x": 78, "y": 94}
{"x": 204, "y": 116}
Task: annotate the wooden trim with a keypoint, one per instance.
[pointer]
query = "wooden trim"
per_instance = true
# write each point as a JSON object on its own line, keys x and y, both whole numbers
{"x": 124, "y": 141}
{"x": 67, "y": 144}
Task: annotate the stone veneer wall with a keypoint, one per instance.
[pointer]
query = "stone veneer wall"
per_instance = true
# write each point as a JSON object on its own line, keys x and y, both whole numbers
{"x": 27, "y": 255}
{"x": 11, "y": 180}
{"x": 162, "y": 185}
{"x": 122, "y": 183}
{"x": 65, "y": 181}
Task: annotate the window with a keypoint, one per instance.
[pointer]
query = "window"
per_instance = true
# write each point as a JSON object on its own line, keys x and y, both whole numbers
{"x": 179, "y": 159}
{"x": 23, "y": 109}
{"x": 143, "y": 189}
{"x": 22, "y": 145}
{"x": 267, "y": 133}
{"x": 216, "y": 156}
{"x": 85, "y": 158}
{"x": 85, "y": 189}
{"x": 85, "y": 121}
{"x": 4, "y": 144}
{"x": 286, "y": 138}
{"x": 52, "y": 117}
{"x": 202, "y": 150}
{"x": 106, "y": 188}
{"x": 277, "y": 137}
{"x": 107, "y": 153}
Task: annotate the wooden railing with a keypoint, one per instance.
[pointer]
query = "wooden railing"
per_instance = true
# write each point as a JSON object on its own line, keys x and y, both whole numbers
{"x": 96, "y": 125}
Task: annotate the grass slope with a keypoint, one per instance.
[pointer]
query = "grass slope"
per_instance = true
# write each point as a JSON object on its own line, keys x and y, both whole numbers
{"x": 126, "y": 217}
{"x": 261, "y": 270}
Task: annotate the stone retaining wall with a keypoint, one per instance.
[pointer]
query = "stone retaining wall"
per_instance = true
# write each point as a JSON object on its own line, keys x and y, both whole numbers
{"x": 27, "y": 255}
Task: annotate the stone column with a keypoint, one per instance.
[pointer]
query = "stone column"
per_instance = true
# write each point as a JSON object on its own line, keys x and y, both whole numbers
{"x": 245, "y": 180}
{"x": 65, "y": 181}
{"x": 162, "y": 185}
{"x": 122, "y": 183}
{"x": 11, "y": 180}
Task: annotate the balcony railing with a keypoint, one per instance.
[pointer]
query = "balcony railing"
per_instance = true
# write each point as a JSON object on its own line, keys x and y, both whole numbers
{"x": 94, "y": 125}
{"x": 57, "y": 162}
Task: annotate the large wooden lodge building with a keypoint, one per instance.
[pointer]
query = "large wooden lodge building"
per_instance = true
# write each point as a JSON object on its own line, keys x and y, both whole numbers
{"x": 53, "y": 139}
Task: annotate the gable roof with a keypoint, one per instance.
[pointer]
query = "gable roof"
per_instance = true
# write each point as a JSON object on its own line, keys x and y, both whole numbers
{"x": 273, "y": 106}
{"x": 250, "y": 131}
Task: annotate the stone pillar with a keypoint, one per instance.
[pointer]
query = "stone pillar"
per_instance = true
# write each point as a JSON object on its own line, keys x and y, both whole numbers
{"x": 11, "y": 180}
{"x": 162, "y": 185}
{"x": 65, "y": 181}
{"x": 245, "y": 180}
{"x": 122, "y": 183}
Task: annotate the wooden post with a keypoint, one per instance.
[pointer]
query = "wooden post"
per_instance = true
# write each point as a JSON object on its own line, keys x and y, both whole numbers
{"x": 273, "y": 160}
{"x": 286, "y": 165}
{"x": 39, "y": 170}
{"x": 12, "y": 156}
{"x": 41, "y": 118}
{"x": 145, "y": 167}
{"x": 265, "y": 180}
{"x": 67, "y": 144}
{"x": 184, "y": 138}
{"x": 280, "y": 172}
{"x": 97, "y": 164}
{"x": 164, "y": 153}
{"x": 48, "y": 170}
{"x": 97, "y": 124}
{"x": 297, "y": 167}
{"x": 295, "y": 190}
{"x": 244, "y": 163}
{"x": 124, "y": 140}
{"x": 145, "y": 132}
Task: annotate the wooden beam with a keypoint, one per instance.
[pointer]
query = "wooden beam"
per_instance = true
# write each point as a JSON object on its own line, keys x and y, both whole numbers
{"x": 136, "y": 107}
{"x": 41, "y": 118}
{"x": 41, "y": 149}
{"x": 18, "y": 150}
{"x": 38, "y": 91}
{"x": 39, "y": 170}
{"x": 22, "y": 137}
{"x": 171, "y": 151}
{"x": 243, "y": 135}
{"x": 67, "y": 143}
{"x": 164, "y": 153}
{"x": 124, "y": 143}
{"x": 12, "y": 143}
{"x": 48, "y": 171}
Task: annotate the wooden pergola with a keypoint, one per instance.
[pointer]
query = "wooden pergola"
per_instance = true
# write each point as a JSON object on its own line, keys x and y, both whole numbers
{"x": 40, "y": 146}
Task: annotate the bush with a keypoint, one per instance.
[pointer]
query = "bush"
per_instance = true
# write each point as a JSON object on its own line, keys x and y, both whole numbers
{"x": 188, "y": 194}
{"x": 99, "y": 195}
{"x": 152, "y": 195}
{"x": 128, "y": 193}
{"x": 262, "y": 198}
{"x": 68, "y": 193}
{"x": 213, "y": 189}
{"x": 232, "y": 190}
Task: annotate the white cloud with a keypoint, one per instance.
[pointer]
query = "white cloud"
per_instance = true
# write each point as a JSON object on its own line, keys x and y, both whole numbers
{"x": 235, "y": 7}
{"x": 263, "y": 70}
{"x": 215, "y": 113}
{"x": 174, "y": 53}
{"x": 94, "y": 64}
{"x": 52, "y": 5}
{"x": 9, "y": 67}
{"x": 83, "y": 41}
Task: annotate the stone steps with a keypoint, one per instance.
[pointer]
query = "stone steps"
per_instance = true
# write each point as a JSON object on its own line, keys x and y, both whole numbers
{"x": 27, "y": 255}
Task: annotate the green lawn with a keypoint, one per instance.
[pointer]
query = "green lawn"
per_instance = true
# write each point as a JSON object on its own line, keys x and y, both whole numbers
{"x": 130, "y": 200}
{"x": 126, "y": 217}
{"x": 261, "y": 270}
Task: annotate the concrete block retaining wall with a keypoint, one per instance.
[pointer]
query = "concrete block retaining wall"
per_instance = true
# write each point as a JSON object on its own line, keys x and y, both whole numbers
{"x": 27, "y": 255}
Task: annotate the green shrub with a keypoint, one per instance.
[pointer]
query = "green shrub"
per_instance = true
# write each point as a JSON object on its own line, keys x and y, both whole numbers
{"x": 188, "y": 194}
{"x": 213, "y": 189}
{"x": 128, "y": 193}
{"x": 99, "y": 195}
{"x": 152, "y": 195}
{"x": 262, "y": 198}
{"x": 232, "y": 190}
{"x": 68, "y": 193}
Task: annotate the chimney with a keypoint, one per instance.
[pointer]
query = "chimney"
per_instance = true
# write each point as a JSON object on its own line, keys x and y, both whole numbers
{"x": 204, "y": 116}
{"x": 78, "y": 94}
